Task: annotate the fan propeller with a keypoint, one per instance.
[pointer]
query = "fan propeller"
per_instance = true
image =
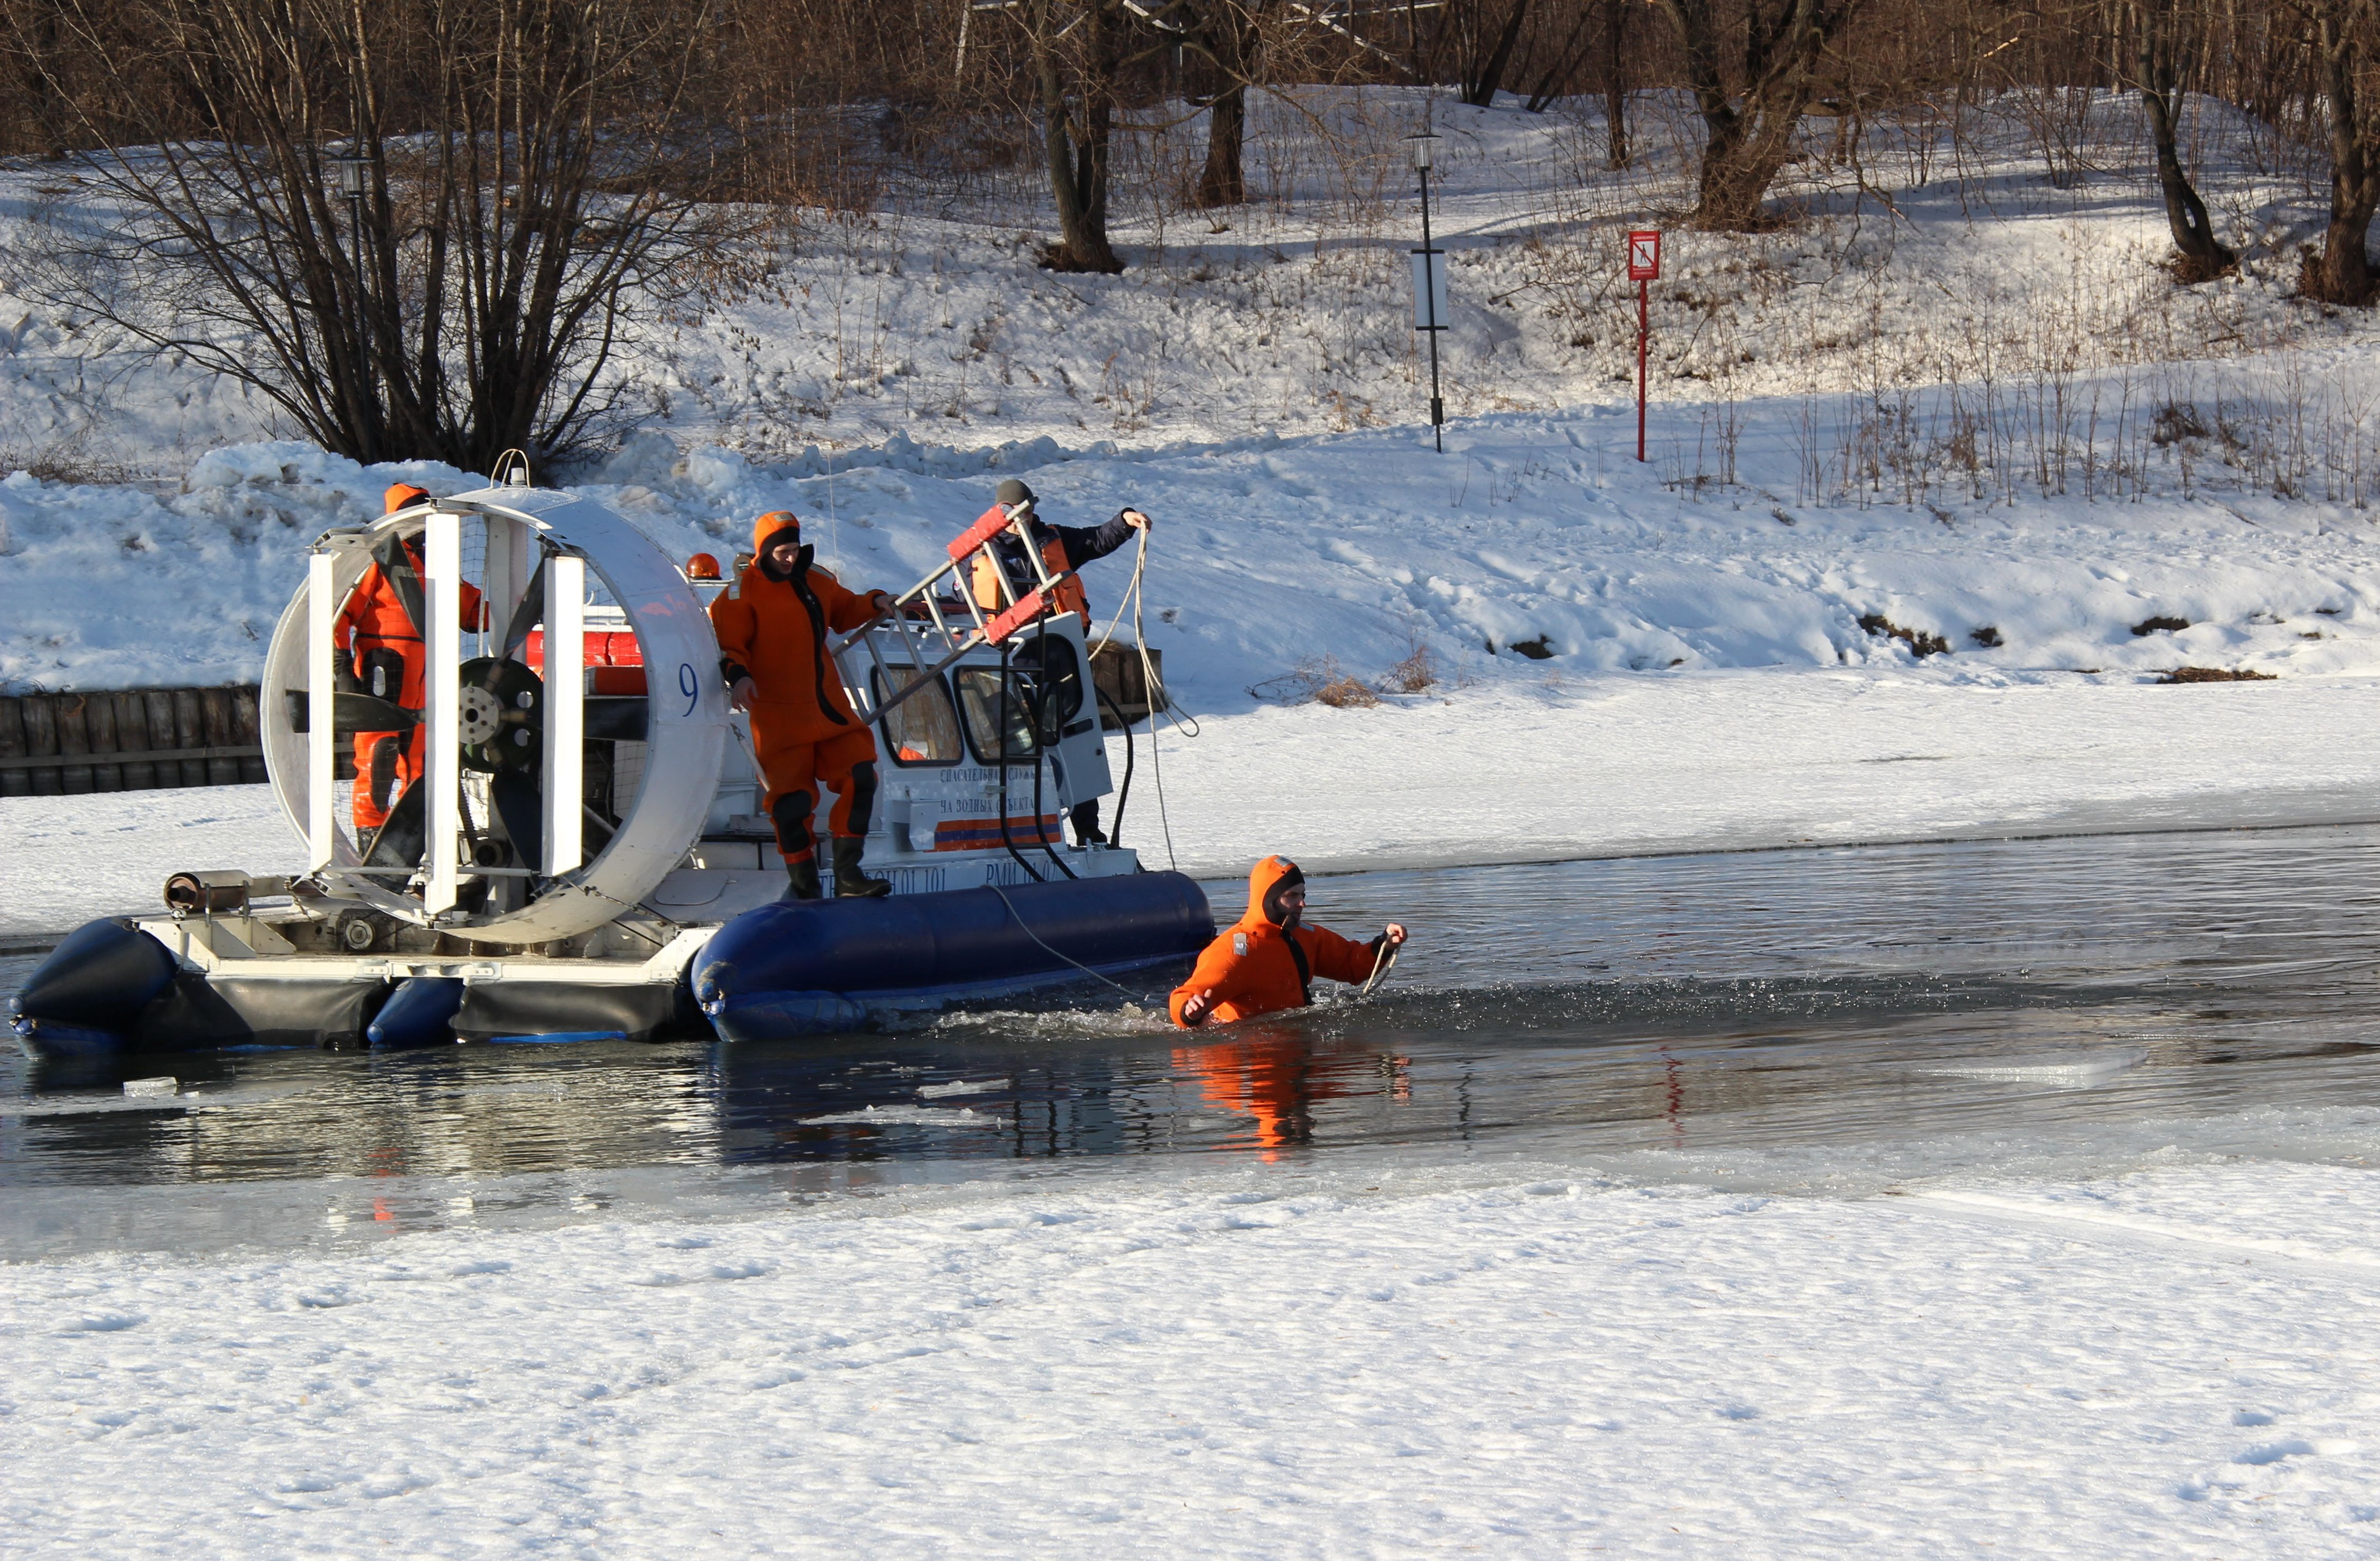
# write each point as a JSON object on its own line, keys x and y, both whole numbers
{"x": 502, "y": 706}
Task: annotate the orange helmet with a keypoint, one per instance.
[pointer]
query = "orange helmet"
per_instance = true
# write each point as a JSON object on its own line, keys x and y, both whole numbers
{"x": 400, "y": 495}
{"x": 702, "y": 566}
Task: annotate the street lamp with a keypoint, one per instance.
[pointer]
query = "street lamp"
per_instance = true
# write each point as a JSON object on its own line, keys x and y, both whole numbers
{"x": 1429, "y": 280}
{"x": 353, "y": 171}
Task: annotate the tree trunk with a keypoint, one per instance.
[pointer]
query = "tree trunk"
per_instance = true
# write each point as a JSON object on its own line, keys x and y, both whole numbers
{"x": 1225, "y": 183}
{"x": 1615, "y": 84}
{"x": 2203, "y": 257}
{"x": 1076, "y": 145}
{"x": 1553, "y": 83}
{"x": 1750, "y": 129}
{"x": 1227, "y": 33}
{"x": 1480, "y": 90}
{"x": 2342, "y": 272}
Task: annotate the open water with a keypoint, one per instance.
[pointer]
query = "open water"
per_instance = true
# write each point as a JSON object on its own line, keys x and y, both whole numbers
{"x": 1844, "y": 1019}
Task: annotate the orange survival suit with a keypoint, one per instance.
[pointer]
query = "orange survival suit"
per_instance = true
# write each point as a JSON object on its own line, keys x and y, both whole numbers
{"x": 1268, "y": 963}
{"x": 804, "y": 731}
{"x": 377, "y": 642}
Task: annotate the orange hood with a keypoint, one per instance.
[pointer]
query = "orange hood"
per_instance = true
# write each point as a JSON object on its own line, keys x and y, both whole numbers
{"x": 1269, "y": 879}
{"x": 765, "y": 529}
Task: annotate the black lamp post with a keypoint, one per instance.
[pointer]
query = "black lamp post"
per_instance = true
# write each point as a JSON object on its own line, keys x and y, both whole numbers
{"x": 1426, "y": 279}
{"x": 352, "y": 169}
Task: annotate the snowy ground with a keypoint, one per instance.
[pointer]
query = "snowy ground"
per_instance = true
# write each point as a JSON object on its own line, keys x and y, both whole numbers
{"x": 1366, "y": 1359}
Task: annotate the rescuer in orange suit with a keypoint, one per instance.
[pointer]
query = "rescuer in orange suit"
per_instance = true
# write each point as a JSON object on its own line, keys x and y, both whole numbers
{"x": 377, "y": 647}
{"x": 1268, "y": 961}
{"x": 772, "y": 624}
{"x": 1064, "y": 548}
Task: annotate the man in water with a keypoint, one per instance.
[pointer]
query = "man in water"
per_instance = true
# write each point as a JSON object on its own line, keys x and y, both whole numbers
{"x": 1268, "y": 961}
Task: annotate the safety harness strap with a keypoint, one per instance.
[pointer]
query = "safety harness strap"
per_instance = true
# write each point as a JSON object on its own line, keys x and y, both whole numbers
{"x": 1304, "y": 971}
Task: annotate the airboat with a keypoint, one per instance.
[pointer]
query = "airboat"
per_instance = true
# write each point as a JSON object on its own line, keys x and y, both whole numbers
{"x": 585, "y": 856}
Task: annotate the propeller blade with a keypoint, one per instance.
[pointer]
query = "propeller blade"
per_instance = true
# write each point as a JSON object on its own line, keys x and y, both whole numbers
{"x": 398, "y": 841}
{"x": 362, "y": 712}
{"x": 350, "y": 713}
{"x": 521, "y": 809}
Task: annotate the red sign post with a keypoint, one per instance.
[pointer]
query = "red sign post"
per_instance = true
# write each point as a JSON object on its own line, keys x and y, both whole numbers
{"x": 1643, "y": 268}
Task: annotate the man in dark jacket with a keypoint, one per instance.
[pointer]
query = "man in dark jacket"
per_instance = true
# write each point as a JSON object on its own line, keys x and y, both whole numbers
{"x": 1064, "y": 548}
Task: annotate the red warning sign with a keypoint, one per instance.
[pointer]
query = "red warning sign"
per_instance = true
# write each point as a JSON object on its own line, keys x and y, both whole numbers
{"x": 1645, "y": 256}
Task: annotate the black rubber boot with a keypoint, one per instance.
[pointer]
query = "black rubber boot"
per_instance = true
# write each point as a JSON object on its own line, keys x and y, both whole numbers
{"x": 849, "y": 881}
{"x": 1086, "y": 819}
{"x": 803, "y": 875}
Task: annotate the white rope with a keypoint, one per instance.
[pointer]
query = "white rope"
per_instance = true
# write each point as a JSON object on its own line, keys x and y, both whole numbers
{"x": 1046, "y": 949}
{"x": 1151, "y": 692}
{"x": 1130, "y": 595}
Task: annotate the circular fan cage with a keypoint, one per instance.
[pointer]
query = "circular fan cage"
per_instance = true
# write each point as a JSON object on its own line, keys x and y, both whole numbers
{"x": 505, "y": 886}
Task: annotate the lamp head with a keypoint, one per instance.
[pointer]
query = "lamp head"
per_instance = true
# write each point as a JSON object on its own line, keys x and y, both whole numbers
{"x": 1424, "y": 148}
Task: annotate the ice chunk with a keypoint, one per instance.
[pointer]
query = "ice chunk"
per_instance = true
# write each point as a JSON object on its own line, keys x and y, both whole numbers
{"x": 962, "y": 1086}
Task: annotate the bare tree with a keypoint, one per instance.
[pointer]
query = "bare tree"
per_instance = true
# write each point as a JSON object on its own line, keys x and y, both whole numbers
{"x": 1559, "y": 65}
{"x": 1487, "y": 44}
{"x": 2341, "y": 273}
{"x": 2165, "y": 49}
{"x": 1615, "y": 83}
{"x": 1075, "y": 51}
{"x": 1751, "y": 103}
{"x": 1229, "y": 34}
{"x": 525, "y": 194}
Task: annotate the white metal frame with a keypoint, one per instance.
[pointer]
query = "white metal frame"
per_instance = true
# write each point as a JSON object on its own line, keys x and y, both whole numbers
{"x": 321, "y": 705}
{"x": 565, "y": 710}
{"x": 686, "y": 725}
{"x": 441, "y": 591}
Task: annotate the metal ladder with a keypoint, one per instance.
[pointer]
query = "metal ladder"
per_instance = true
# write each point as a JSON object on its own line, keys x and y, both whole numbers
{"x": 935, "y": 631}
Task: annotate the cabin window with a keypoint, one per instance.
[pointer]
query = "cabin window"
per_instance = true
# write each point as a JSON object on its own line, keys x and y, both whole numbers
{"x": 979, "y": 697}
{"x": 922, "y": 728}
{"x": 1065, "y": 674}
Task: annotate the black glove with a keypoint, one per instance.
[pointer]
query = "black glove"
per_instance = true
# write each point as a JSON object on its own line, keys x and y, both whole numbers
{"x": 342, "y": 673}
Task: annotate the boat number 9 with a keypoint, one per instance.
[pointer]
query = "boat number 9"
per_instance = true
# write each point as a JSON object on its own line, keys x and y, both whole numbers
{"x": 688, "y": 685}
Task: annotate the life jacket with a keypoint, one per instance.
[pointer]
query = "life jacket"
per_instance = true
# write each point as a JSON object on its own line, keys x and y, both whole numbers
{"x": 1260, "y": 966}
{"x": 1067, "y": 597}
{"x": 774, "y": 632}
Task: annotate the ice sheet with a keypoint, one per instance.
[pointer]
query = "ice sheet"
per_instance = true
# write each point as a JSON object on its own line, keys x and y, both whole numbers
{"x": 1371, "y": 1360}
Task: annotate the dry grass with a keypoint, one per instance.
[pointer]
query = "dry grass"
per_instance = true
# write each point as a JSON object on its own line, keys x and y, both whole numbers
{"x": 1920, "y": 642}
{"x": 1417, "y": 672}
{"x": 1319, "y": 681}
{"x": 2214, "y": 674}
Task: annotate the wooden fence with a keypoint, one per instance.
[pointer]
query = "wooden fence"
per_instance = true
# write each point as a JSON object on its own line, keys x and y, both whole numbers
{"x": 133, "y": 739}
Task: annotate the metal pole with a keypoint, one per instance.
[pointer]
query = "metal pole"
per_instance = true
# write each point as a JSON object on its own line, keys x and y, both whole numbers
{"x": 1429, "y": 293}
{"x": 1643, "y": 325}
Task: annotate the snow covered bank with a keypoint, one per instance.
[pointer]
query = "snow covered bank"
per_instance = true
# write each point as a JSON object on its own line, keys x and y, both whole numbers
{"x": 1615, "y": 765}
{"x": 1532, "y": 530}
{"x": 1264, "y": 1361}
